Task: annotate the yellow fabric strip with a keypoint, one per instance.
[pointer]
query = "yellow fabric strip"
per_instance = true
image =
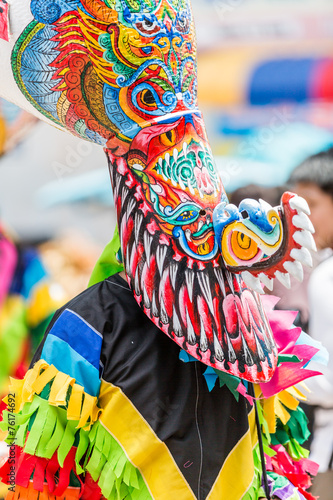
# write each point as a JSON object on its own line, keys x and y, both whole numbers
{"x": 43, "y": 379}
{"x": 143, "y": 448}
{"x": 75, "y": 403}
{"x": 281, "y": 411}
{"x": 237, "y": 473}
{"x": 59, "y": 389}
{"x": 288, "y": 400}
{"x": 62, "y": 386}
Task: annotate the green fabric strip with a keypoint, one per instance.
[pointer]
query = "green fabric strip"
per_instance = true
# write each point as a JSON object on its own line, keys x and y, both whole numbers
{"x": 107, "y": 264}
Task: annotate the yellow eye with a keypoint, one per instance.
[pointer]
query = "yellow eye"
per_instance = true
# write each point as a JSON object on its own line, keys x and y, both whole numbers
{"x": 168, "y": 138}
{"x": 147, "y": 98}
{"x": 243, "y": 246}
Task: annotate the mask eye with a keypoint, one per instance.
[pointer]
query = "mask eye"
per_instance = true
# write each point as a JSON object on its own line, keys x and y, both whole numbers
{"x": 187, "y": 215}
{"x": 183, "y": 23}
{"x": 243, "y": 246}
{"x": 168, "y": 138}
{"x": 147, "y": 26}
{"x": 147, "y": 98}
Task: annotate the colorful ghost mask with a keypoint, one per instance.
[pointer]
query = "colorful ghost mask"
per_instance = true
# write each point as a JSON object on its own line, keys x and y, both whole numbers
{"x": 122, "y": 73}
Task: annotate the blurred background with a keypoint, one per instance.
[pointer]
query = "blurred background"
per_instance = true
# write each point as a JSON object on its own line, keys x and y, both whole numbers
{"x": 266, "y": 91}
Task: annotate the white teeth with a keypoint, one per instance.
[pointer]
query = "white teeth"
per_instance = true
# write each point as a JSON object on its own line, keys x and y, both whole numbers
{"x": 160, "y": 161}
{"x": 146, "y": 300}
{"x": 252, "y": 282}
{"x": 188, "y": 234}
{"x": 160, "y": 257}
{"x": 303, "y": 222}
{"x": 124, "y": 195}
{"x": 284, "y": 278}
{"x": 305, "y": 239}
{"x": 231, "y": 352}
{"x": 200, "y": 193}
{"x": 175, "y": 154}
{"x": 176, "y": 324}
{"x": 218, "y": 351}
{"x": 185, "y": 149}
{"x": 219, "y": 276}
{"x": 157, "y": 188}
{"x": 130, "y": 207}
{"x": 206, "y": 290}
{"x": 154, "y": 308}
{"x": 208, "y": 219}
{"x": 163, "y": 314}
{"x": 230, "y": 282}
{"x": 268, "y": 282}
{"x": 137, "y": 225}
{"x": 202, "y": 146}
{"x": 132, "y": 259}
{"x": 189, "y": 276}
{"x": 203, "y": 337}
{"x": 200, "y": 224}
{"x": 181, "y": 183}
{"x": 147, "y": 241}
{"x": 137, "y": 166}
{"x": 247, "y": 354}
{"x": 167, "y": 158}
{"x": 302, "y": 255}
{"x": 174, "y": 183}
{"x": 191, "y": 339}
{"x": 137, "y": 283}
{"x": 299, "y": 204}
{"x": 295, "y": 269}
{"x": 173, "y": 273}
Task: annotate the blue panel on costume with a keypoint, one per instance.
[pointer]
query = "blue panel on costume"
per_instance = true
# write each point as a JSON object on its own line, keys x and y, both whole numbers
{"x": 281, "y": 80}
{"x": 58, "y": 353}
{"x": 81, "y": 336}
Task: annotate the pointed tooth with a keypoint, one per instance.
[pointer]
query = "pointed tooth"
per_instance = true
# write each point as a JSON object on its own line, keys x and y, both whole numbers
{"x": 200, "y": 193}
{"x": 160, "y": 257}
{"x": 305, "y": 239}
{"x": 206, "y": 290}
{"x": 191, "y": 338}
{"x": 163, "y": 314}
{"x": 124, "y": 195}
{"x": 130, "y": 207}
{"x": 117, "y": 182}
{"x": 302, "y": 221}
{"x": 295, "y": 269}
{"x": 146, "y": 299}
{"x": 231, "y": 353}
{"x": 129, "y": 271}
{"x": 173, "y": 182}
{"x": 283, "y": 278}
{"x": 137, "y": 282}
{"x": 173, "y": 273}
{"x": 188, "y": 234}
{"x": 268, "y": 282}
{"x": 178, "y": 331}
{"x": 247, "y": 354}
{"x": 167, "y": 158}
{"x": 218, "y": 351}
{"x": 185, "y": 149}
{"x": 147, "y": 240}
{"x": 137, "y": 224}
{"x": 203, "y": 337}
{"x": 230, "y": 282}
{"x": 259, "y": 349}
{"x": 160, "y": 162}
{"x": 220, "y": 279}
{"x": 298, "y": 203}
{"x": 189, "y": 277}
{"x": 175, "y": 154}
{"x": 154, "y": 308}
{"x": 127, "y": 260}
{"x": 252, "y": 282}
{"x": 200, "y": 224}
{"x": 302, "y": 255}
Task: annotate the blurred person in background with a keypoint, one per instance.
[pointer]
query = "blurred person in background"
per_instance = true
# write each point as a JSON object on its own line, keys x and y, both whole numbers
{"x": 313, "y": 180}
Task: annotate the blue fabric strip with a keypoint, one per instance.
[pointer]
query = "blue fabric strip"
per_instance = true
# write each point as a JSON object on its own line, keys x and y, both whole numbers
{"x": 80, "y": 335}
{"x": 60, "y": 354}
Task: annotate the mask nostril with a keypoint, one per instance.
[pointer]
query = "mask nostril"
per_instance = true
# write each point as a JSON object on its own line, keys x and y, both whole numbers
{"x": 202, "y": 212}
